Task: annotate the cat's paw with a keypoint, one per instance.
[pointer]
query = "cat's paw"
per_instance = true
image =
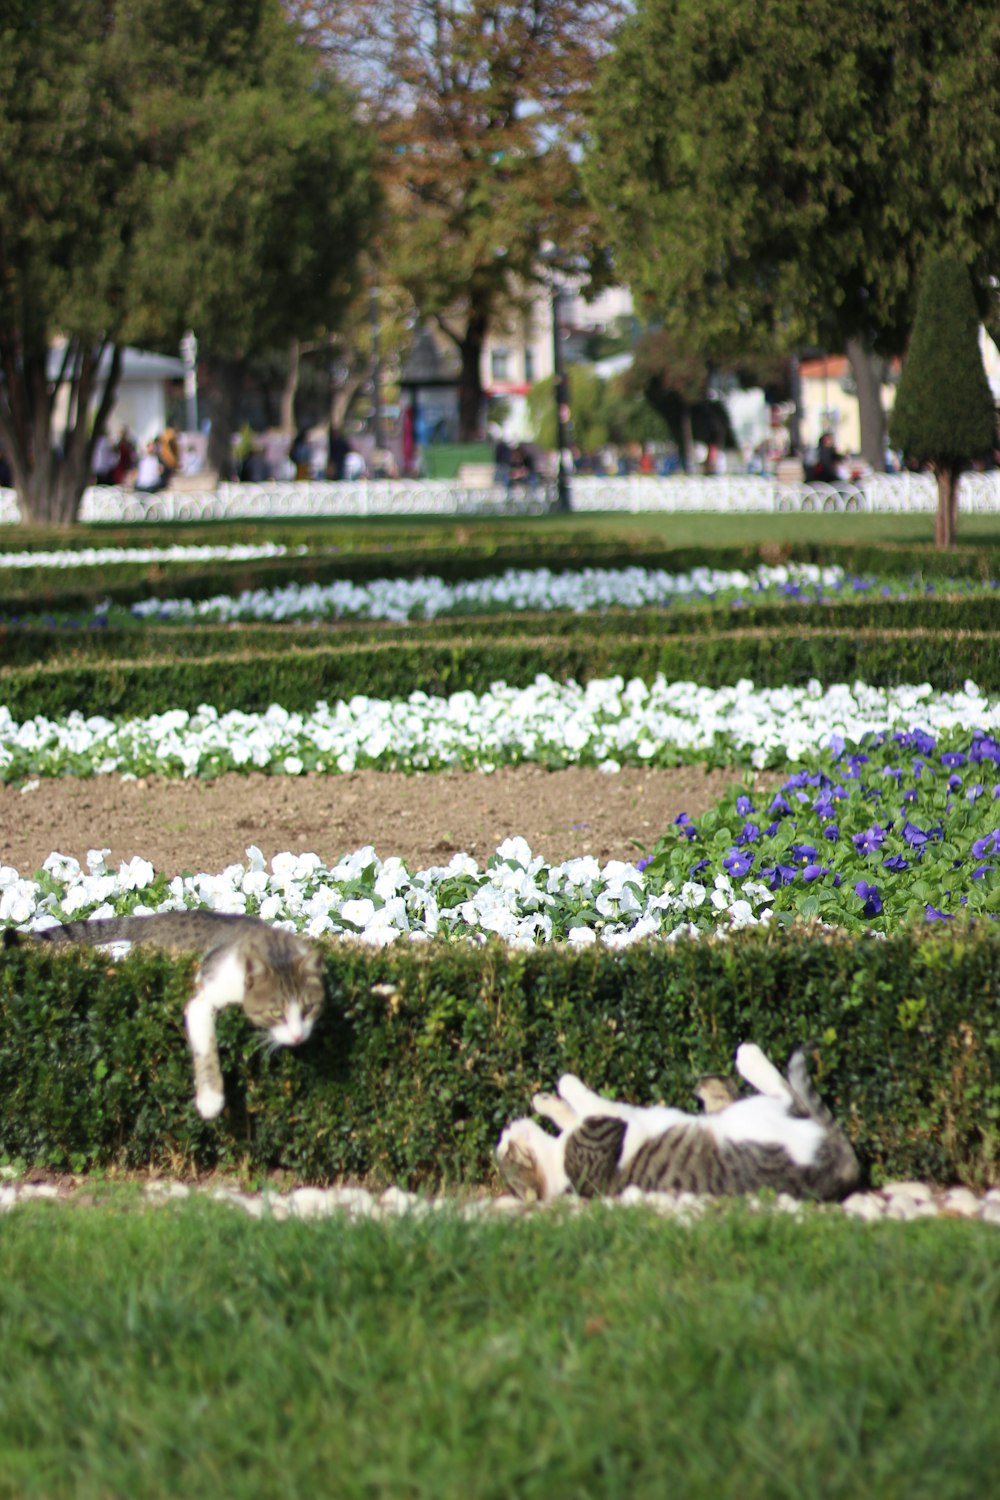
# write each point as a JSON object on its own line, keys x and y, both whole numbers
{"x": 517, "y": 1161}
{"x": 209, "y": 1103}
{"x": 760, "y": 1072}
{"x": 551, "y": 1107}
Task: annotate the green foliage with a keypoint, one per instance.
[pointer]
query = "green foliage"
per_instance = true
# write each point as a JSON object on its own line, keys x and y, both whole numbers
{"x": 158, "y": 164}
{"x": 603, "y": 411}
{"x": 944, "y": 410}
{"x": 393, "y": 666}
{"x": 425, "y": 1053}
{"x": 33, "y": 645}
{"x": 784, "y": 175}
{"x": 587, "y": 401}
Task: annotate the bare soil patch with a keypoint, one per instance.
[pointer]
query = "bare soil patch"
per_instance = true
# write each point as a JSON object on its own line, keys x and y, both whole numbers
{"x": 203, "y": 826}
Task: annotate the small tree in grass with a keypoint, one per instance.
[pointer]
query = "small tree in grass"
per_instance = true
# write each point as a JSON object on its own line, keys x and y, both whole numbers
{"x": 944, "y": 414}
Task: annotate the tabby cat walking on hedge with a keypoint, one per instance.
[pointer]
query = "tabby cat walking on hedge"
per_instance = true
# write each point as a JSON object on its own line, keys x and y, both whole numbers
{"x": 276, "y": 976}
{"x": 783, "y": 1137}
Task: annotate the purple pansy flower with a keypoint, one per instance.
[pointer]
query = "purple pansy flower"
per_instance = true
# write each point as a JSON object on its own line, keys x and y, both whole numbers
{"x": 870, "y": 896}
{"x": 778, "y": 875}
{"x": 869, "y": 841}
{"x": 737, "y": 862}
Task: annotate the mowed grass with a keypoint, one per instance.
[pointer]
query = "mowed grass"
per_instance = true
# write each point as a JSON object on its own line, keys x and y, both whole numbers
{"x": 673, "y": 529}
{"x": 189, "y": 1351}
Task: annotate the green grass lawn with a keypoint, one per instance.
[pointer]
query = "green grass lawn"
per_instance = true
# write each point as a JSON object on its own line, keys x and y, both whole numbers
{"x": 684, "y": 529}
{"x": 189, "y": 1351}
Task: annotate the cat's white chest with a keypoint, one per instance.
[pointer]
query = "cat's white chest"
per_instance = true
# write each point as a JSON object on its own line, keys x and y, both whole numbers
{"x": 222, "y": 981}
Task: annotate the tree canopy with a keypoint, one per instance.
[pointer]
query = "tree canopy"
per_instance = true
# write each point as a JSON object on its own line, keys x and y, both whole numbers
{"x": 479, "y": 111}
{"x": 772, "y": 174}
{"x": 163, "y": 163}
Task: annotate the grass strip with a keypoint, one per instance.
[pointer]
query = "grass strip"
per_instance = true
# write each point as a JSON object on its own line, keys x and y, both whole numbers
{"x": 190, "y": 1351}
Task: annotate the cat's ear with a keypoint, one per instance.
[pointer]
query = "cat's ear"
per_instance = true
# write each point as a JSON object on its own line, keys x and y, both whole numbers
{"x": 253, "y": 970}
{"x": 311, "y": 962}
{"x": 12, "y": 938}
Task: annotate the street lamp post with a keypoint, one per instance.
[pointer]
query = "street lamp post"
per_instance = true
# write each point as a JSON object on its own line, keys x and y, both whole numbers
{"x": 564, "y": 428}
{"x": 189, "y": 354}
{"x": 373, "y": 313}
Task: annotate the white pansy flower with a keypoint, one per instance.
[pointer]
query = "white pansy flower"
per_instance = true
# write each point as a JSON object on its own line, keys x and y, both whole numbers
{"x": 62, "y": 866}
{"x": 135, "y": 875}
{"x": 581, "y": 937}
{"x": 358, "y": 911}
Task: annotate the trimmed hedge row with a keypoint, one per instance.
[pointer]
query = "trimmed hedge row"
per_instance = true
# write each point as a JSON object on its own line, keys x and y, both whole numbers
{"x": 473, "y": 554}
{"x": 425, "y": 1053}
{"x": 394, "y": 667}
{"x": 32, "y": 645}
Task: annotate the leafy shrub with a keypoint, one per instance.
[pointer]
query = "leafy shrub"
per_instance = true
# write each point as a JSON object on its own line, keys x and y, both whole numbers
{"x": 426, "y": 1052}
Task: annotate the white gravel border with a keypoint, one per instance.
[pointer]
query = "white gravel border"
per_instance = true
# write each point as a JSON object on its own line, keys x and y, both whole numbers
{"x": 895, "y": 1201}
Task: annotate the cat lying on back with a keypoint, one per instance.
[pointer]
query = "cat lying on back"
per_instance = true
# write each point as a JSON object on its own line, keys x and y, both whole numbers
{"x": 276, "y": 976}
{"x": 783, "y": 1137}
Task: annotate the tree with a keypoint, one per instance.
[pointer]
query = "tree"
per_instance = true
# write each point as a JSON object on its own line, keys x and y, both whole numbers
{"x": 163, "y": 163}
{"x": 772, "y": 177}
{"x": 944, "y": 414}
{"x": 478, "y": 108}
{"x": 587, "y": 393}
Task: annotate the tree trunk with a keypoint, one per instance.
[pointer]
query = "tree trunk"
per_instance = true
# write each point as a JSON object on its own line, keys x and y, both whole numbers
{"x": 290, "y": 389}
{"x": 50, "y": 484}
{"x": 867, "y": 369}
{"x": 470, "y": 390}
{"x": 945, "y": 522}
{"x": 687, "y": 440}
{"x": 226, "y": 377}
{"x": 342, "y": 398}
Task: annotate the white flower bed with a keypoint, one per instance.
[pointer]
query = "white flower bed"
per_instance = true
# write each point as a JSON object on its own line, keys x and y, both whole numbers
{"x": 607, "y": 723}
{"x": 517, "y": 896}
{"x": 517, "y": 589}
{"x": 100, "y": 557}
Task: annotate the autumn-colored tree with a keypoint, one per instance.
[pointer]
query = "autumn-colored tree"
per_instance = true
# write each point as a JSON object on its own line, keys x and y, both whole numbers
{"x": 478, "y": 108}
{"x": 944, "y": 413}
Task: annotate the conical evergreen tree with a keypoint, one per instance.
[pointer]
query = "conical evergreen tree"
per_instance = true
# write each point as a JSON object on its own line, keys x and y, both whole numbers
{"x": 944, "y": 414}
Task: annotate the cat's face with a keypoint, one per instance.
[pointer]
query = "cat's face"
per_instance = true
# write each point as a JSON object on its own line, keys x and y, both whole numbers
{"x": 285, "y": 1000}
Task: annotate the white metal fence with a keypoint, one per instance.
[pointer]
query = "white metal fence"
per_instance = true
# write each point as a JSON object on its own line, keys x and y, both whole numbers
{"x": 731, "y": 494}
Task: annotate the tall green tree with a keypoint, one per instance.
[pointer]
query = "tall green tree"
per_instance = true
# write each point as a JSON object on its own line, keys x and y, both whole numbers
{"x": 479, "y": 110}
{"x": 163, "y": 163}
{"x": 778, "y": 174}
{"x": 944, "y": 412}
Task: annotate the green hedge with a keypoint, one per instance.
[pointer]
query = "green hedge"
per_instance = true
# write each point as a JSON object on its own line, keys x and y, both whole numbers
{"x": 394, "y": 667}
{"x": 30, "y": 645}
{"x": 472, "y": 551}
{"x": 425, "y": 1053}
